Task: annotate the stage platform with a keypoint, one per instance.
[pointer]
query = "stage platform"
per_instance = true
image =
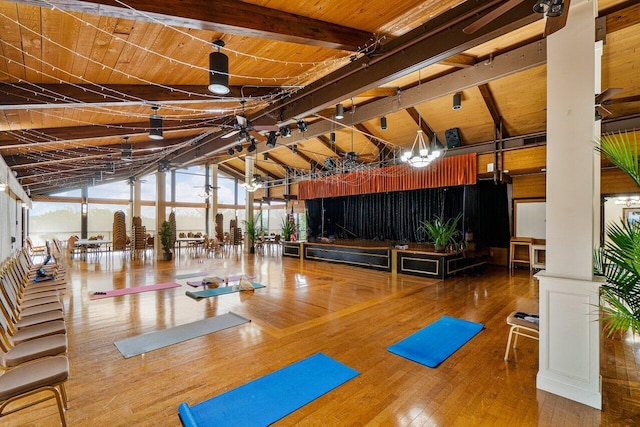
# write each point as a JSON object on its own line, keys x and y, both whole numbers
{"x": 417, "y": 259}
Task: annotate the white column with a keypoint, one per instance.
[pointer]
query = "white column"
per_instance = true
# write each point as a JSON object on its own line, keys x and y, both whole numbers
{"x": 569, "y": 331}
{"x": 248, "y": 177}
{"x": 213, "y": 199}
{"x": 160, "y": 211}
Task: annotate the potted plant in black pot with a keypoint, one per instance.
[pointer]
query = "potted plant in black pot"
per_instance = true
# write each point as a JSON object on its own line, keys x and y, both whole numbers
{"x": 166, "y": 239}
{"x": 253, "y": 229}
{"x": 441, "y": 232}
{"x": 288, "y": 228}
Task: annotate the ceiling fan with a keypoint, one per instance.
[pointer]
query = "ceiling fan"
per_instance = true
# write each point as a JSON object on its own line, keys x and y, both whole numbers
{"x": 243, "y": 126}
{"x": 556, "y": 12}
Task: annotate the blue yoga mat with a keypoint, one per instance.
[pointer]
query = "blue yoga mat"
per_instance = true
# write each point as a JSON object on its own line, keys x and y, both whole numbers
{"x": 219, "y": 291}
{"x": 270, "y": 398}
{"x": 433, "y": 344}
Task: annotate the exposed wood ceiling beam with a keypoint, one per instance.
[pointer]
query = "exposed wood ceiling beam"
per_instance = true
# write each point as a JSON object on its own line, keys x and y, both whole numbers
{"x": 232, "y": 170}
{"x": 415, "y": 115}
{"x": 278, "y": 162}
{"x": 428, "y": 44}
{"x": 460, "y": 60}
{"x": 83, "y": 135}
{"x": 492, "y": 106}
{"x": 327, "y": 143}
{"x": 314, "y": 164}
{"x": 24, "y": 95}
{"x": 225, "y": 16}
{"x": 621, "y": 19}
{"x": 378, "y": 92}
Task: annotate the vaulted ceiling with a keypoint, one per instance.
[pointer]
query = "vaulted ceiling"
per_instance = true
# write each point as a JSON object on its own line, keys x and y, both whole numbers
{"x": 78, "y": 80}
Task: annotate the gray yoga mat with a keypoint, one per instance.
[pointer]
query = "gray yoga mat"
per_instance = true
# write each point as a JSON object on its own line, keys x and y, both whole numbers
{"x": 140, "y": 344}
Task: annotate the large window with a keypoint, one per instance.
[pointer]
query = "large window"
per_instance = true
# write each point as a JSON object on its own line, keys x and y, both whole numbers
{"x": 226, "y": 192}
{"x": 119, "y": 190}
{"x": 190, "y": 184}
{"x": 190, "y": 220}
{"x": 48, "y": 220}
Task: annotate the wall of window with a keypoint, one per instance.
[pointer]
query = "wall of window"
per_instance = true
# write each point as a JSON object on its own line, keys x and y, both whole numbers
{"x": 54, "y": 219}
{"x": 100, "y": 219}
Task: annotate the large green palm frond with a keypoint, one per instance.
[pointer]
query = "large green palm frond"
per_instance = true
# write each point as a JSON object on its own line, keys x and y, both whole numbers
{"x": 621, "y": 149}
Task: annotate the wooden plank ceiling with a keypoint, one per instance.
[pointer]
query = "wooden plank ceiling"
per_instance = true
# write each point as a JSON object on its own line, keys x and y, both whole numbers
{"x": 78, "y": 80}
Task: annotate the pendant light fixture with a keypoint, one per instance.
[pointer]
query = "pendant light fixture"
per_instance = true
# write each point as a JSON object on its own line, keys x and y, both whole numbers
{"x": 218, "y": 70}
{"x": 339, "y": 111}
{"x": 155, "y": 124}
{"x": 457, "y": 101}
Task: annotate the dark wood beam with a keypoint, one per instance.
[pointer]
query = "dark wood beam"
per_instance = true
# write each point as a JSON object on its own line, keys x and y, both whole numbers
{"x": 460, "y": 60}
{"x": 225, "y": 16}
{"x": 24, "y": 95}
{"x": 314, "y": 164}
{"x": 378, "y": 92}
{"x": 327, "y": 143}
{"x": 79, "y": 134}
{"x": 415, "y": 115}
{"x": 232, "y": 170}
{"x": 492, "y": 106}
{"x": 620, "y": 19}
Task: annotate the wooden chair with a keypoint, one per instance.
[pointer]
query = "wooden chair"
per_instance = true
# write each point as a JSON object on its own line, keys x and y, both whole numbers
{"x": 520, "y": 327}
{"x": 44, "y": 375}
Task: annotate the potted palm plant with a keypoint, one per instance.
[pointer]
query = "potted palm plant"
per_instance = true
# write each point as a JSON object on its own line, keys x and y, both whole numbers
{"x": 288, "y": 228}
{"x": 441, "y": 232}
{"x": 619, "y": 260}
{"x": 253, "y": 229}
{"x": 166, "y": 239}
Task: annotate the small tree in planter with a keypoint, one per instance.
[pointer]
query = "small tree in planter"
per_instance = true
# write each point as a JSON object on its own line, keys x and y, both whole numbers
{"x": 253, "y": 229}
{"x": 441, "y": 232}
{"x": 288, "y": 228}
{"x": 166, "y": 239}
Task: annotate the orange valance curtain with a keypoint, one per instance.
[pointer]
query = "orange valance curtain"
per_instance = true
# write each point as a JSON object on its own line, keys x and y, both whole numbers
{"x": 445, "y": 172}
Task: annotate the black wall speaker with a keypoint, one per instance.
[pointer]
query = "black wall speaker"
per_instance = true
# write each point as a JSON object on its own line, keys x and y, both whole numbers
{"x": 453, "y": 137}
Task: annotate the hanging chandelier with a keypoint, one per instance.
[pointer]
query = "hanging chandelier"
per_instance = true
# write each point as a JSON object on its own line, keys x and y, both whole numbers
{"x": 254, "y": 184}
{"x": 421, "y": 154}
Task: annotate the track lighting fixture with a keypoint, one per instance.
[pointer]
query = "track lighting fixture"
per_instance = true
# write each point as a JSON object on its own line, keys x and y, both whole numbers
{"x": 218, "y": 70}
{"x": 231, "y": 151}
{"x": 252, "y": 147}
{"x": 339, "y": 112}
{"x": 155, "y": 124}
{"x": 551, "y": 8}
{"x": 239, "y": 148}
{"x": 265, "y": 156}
{"x": 285, "y": 132}
{"x": 271, "y": 139}
{"x": 294, "y": 149}
{"x": 302, "y": 126}
{"x": 383, "y": 123}
{"x": 457, "y": 101}
{"x": 332, "y": 137}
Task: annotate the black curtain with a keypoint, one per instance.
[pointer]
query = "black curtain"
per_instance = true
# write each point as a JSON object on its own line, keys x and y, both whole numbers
{"x": 492, "y": 225}
{"x": 383, "y": 216}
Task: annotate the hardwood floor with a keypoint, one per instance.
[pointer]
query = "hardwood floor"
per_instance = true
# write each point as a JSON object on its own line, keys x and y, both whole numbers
{"x": 350, "y": 314}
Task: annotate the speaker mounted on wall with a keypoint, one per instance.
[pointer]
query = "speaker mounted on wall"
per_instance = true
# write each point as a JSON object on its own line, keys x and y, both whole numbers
{"x": 453, "y": 137}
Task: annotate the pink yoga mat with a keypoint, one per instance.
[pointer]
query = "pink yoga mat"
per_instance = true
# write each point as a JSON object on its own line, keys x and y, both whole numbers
{"x": 135, "y": 290}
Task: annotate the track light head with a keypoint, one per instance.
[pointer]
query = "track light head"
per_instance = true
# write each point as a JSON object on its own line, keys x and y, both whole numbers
{"x": 239, "y": 148}
{"x": 302, "y": 126}
{"x": 271, "y": 139}
{"x": 285, "y": 131}
{"x": 252, "y": 147}
{"x": 332, "y": 137}
{"x": 231, "y": 151}
{"x": 294, "y": 148}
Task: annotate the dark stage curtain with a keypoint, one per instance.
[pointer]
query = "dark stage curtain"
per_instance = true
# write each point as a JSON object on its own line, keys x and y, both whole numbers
{"x": 383, "y": 216}
{"x": 396, "y": 216}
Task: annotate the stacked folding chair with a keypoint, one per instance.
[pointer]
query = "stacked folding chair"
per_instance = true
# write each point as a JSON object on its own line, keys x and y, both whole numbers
{"x": 33, "y": 340}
